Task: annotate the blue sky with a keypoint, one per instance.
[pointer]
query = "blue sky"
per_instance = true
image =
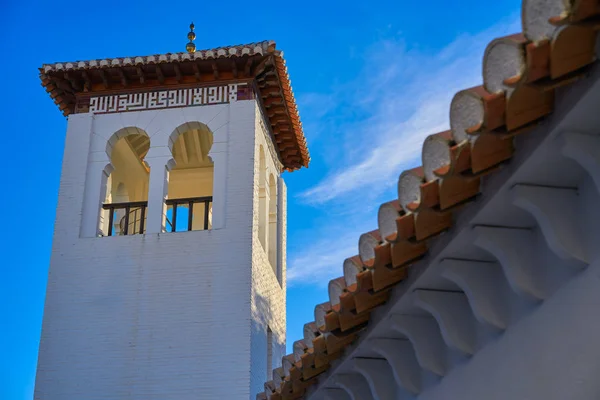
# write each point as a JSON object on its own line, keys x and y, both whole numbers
{"x": 372, "y": 79}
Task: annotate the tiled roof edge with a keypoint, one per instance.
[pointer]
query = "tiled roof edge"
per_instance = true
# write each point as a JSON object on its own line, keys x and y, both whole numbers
{"x": 520, "y": 75}
{"x": 262, "y": 48}
{"x": 267, "y": 47}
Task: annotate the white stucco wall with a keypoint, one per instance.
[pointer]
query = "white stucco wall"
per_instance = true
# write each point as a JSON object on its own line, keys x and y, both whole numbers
{"x": 561, "y": 363}
{"x": 160, "y": 315}
{"x": 553, "y": 352}
{"x": 268, "y": 295}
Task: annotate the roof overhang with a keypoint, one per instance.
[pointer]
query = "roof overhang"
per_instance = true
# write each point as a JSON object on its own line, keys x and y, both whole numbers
{"x": 259, "y": 65}
{"x": 526, "y": 77}
{"x": 511, "y": 250}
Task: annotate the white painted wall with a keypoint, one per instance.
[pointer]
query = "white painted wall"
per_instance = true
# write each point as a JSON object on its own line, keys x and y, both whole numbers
{"x": 161, "y": 315}
{"x": 268, "y": 295}
{"x": 561, "y": 363}
{"x": 553, "y": 352}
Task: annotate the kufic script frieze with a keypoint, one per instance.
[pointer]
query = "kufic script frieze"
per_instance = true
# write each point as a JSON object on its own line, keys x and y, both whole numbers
{"x": 160, "y": 99}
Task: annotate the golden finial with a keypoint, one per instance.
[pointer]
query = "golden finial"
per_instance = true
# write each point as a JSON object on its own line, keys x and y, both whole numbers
{"x": 191, "y": 47}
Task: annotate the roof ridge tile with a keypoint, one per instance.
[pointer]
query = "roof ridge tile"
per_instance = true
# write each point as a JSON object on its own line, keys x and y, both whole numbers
{"x": 483, "y": 120}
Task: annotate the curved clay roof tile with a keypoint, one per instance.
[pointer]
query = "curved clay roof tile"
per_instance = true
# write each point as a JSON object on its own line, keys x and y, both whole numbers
{"x": 335, "y": 289}
{"x": 536, "y": 16}
{"x": 504, "y": 63}
{"x": 352, "y": 267}
{"x": 367, "y": 243}
{"x": 387, "y": 215}
{"x": 409, "y": 188}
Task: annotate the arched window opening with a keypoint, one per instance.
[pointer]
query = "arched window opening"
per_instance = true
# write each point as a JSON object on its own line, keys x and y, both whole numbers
{"x": 273, "y": 223}
{"x": 190, "y": 188}
{"x": 262, "y": 199}
{"x": 126, "y": 199}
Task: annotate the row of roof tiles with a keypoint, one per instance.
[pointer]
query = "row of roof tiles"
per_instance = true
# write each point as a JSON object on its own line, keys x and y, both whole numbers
{"x": 520, "y": 75}
{"x": 288, "y": 95}
{"x": 261, "y": 48}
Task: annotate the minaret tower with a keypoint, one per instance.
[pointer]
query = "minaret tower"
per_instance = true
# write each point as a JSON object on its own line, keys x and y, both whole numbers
{"x": 167, "y": 275}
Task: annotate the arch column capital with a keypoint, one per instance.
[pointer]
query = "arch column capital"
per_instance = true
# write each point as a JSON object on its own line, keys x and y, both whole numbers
{"x": 96, "y": 179}
{"x": 157, "y": 192}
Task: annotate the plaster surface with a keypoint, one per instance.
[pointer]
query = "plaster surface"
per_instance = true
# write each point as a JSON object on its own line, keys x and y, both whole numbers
{"x": 161, "y": 315}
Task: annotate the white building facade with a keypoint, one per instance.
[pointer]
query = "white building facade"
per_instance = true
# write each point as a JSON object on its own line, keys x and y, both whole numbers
{"x": 149, "y": 311}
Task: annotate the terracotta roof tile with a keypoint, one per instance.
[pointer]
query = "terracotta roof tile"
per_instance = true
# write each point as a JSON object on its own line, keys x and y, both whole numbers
{"x": 221, "y": 52}
{"x": 336, "y": 288}
{"x": 520, "y": 75}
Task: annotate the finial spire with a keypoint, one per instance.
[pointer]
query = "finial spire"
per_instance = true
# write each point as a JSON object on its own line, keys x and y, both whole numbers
{"x": 191, "y": 47}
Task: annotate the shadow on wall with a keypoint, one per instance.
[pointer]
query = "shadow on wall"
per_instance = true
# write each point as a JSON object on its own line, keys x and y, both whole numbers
{"x": 267, "y": 344}
{"x": 261, "y": 312}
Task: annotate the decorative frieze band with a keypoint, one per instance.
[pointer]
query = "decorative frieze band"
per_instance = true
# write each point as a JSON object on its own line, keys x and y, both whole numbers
{"x": 161, "y": 99}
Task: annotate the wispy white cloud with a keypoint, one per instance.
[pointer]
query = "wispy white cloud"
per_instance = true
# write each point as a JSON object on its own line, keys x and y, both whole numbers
{"x": 323, "y": 260}
{"x": 404, "y": 96}
{"x": 401, "y": 96}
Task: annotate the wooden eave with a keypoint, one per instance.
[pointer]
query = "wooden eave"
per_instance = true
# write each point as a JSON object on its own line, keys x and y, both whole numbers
{"x": 263, "y": 71}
